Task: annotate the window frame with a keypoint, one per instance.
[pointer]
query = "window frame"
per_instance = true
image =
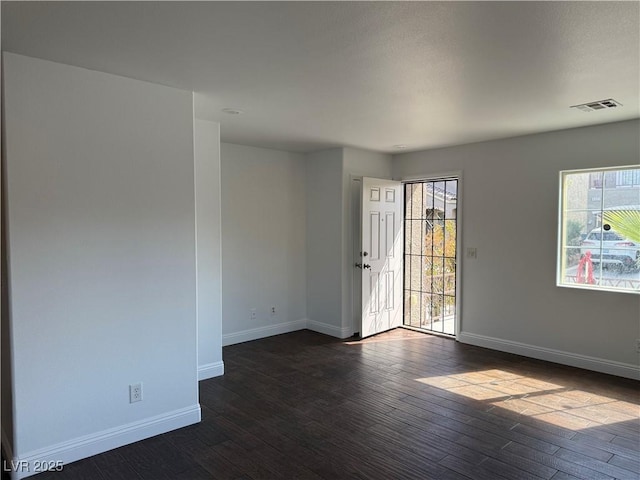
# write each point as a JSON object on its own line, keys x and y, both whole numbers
{"x": 561, "y": 226}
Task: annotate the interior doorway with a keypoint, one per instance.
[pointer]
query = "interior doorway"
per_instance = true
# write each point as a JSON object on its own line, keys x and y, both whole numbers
{"x": 430, "y": 255}
{"x": 356, "y": 240}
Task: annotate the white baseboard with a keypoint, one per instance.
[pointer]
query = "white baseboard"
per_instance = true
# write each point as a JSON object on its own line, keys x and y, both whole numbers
{"x": 210, "y": 370}
{"x": 279, "y": 328}
{"x": 619, "y": 369}
{"x": 262, "y": 332}
{"x": 93, "y": 444}
{"x": 327, "y": 329}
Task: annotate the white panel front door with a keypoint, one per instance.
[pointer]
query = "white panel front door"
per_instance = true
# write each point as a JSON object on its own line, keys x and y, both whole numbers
{"x": 381, "y": 259}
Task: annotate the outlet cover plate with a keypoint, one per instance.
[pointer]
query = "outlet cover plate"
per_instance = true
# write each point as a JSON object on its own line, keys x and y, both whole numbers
{"x": 135, "y": 393}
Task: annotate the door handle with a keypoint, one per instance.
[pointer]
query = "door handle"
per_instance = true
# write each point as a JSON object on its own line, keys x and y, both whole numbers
{"x": 366, "y": 265}
{"x": 358, "y": 265}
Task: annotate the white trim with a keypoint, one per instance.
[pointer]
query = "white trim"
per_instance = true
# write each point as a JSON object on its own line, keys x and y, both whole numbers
{"x": 210, "y": 370}
{"x": 355, "y": 320}
{"x": 95, "y": 443}
{"x": 459, "y": 252}
{"x": 611, "y": 367}
{"x": 331, "y": 330}
{"x": 262, "y": 332}
{"x": 195, "y": 223}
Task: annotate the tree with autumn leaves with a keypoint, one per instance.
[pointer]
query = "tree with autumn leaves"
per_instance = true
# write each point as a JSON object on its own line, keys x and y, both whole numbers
{"x": 440, "y": 264}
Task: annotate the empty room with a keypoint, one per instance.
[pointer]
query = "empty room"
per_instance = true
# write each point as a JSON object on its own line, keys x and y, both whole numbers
{"x": 320, "y": 240}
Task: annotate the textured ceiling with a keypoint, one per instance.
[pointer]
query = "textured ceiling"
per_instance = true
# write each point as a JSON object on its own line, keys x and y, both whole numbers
{"x": 314, "y": 75}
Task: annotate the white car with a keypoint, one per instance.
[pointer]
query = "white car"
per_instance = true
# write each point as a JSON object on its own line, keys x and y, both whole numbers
{"x": 610, "y": 248}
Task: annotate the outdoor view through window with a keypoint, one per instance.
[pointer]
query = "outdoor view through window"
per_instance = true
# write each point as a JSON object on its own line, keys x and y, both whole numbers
{"x": 600, "y": 229}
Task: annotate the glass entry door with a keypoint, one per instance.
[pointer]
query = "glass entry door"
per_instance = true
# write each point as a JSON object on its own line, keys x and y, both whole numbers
{"x": 430, "y": 233}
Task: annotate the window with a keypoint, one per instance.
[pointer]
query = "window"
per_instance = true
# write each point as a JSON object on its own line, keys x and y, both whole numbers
{"x": 628, "y": 178}
{"x": 599, "y": 241}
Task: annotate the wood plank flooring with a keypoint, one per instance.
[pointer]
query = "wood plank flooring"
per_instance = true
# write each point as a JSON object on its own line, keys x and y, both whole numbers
{"x": 401, "y": 405}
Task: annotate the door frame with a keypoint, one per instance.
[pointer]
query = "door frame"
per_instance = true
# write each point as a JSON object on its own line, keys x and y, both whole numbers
{"x": 355, "y": 234}
{"x": 457, "y": 174}
{"x": 355, "y": 227}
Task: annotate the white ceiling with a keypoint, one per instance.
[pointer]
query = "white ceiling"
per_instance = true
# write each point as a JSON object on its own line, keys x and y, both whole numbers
{"x": 313, "y": 75}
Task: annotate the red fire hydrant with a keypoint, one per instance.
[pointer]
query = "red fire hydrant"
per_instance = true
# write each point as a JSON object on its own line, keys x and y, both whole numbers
{"x": 585, "y": 264}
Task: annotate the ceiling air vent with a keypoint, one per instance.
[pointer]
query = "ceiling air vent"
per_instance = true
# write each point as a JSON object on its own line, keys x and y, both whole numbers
{"x": 599, "y": 105}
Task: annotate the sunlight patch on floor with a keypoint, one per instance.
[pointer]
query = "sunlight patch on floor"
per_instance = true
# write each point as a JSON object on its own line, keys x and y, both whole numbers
{"x": 562, "y": 405}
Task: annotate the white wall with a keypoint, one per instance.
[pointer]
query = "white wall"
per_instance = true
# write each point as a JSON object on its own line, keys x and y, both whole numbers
{"x": 263, "y": 242}
{"x": 208, "y": 248}
{"x": 6, "y": 383}
{"x": 510, "y": 200}
{"x": 324, "y": 248}
{"x": 357, "y": 163}
{"x": 330, "y": 234}
{"x": 101, "y": 234}
{"x": 286, "y": 239}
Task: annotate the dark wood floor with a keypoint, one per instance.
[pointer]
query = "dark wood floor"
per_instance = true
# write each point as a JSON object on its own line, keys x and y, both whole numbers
{"x": 402, "y": 405}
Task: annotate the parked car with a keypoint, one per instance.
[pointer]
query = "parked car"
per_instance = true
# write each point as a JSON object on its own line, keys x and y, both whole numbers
{"x": 617, "y": 251}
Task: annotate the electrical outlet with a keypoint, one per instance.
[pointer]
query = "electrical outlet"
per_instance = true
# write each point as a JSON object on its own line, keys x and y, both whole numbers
{"x": 472, "y": 252}
{"x": 273, "y": 311}
{"x": 135, "y": 393}
{"x": 252, "y": 314}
